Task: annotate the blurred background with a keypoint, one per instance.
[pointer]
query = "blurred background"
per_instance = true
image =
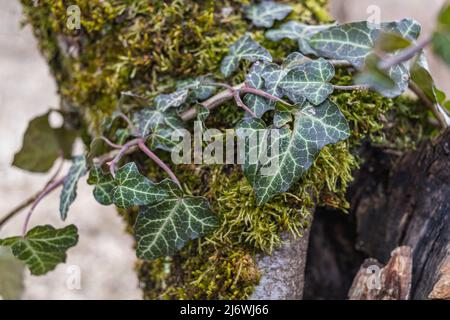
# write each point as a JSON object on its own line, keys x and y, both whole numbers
{"x": 104, "y": 256}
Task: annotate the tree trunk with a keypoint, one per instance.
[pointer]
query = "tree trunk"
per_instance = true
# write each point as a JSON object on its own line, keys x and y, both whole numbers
{"x": 395, "y": 201}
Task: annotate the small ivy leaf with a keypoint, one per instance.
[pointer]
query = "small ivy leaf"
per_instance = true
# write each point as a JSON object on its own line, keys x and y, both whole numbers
{"x": 66, "y": 138}
{"x": 198, "y": 88}
{"x": 310, "y": 79}
{"x": 172, "y": 100}
{"x": 281, "y": 118}
{"x": 42, "y": 145}
{"x": 265, "y": 13}
{"x": 245, "y": 48}
{"x": 202, "y": 112}
{"x": 69, "y": 190}
{"x": 104, "y": 185}
{"x": 355, "y": 41}
{"x": 257, "y": 104}
{"x": 11, "y": 275}
{"x": 299, "y": 32}
{"x": 146, "y": 119}
{"x": 314, "y": 127}
{"x": 132, "y": 188}
{"x": 43, "y": 247}
{"x": 166, "y": 226}
{"x": 441, "y": 38}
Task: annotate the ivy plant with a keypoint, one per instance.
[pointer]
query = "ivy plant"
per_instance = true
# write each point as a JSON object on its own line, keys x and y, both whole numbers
{"x": 287, "y": 99}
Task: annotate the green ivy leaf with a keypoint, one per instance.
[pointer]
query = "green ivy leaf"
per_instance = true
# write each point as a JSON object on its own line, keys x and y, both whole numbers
{"x": 311, "y": 80}
{"x": 245, "y": 48}
{"x": 299, "y": 32}
{"x": 132, "y": 188}
{"x": 441, "y": 38}
{"x": 391, "y": 42}
{"x": 104, "y": 185}
{"x": 69, "y": 190}
{"x": 11, "y": 275}
{"x": 314, "y": 127}
{"x": 42, "y": 145}
{"x": 355, "y": 41}
{"x": 198, "y": 88}
{"x": 43, "y": 247}
{"x": 281, "y": 118}
{"x": 172, "y": 100}
{"x": 164, "y": 227}
{"x": 257, "y": 104}
{"x": 265, "y": 13}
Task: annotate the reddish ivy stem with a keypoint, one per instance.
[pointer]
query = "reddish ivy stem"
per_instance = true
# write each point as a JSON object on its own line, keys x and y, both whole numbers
{"x": 110, "y": 143}
{"x": 47, "y": 190}
{"x": 158, "y": 161}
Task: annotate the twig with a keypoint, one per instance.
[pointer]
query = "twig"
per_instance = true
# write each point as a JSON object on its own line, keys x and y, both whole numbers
{"x": 436, "y": 109}
{"x": 48, "y": 189}
{"x": 158, "y": 161}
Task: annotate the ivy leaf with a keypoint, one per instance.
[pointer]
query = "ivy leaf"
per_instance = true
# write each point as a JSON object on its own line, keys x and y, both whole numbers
{"x": 69, "y": 190}
{"x": 245, "y": 48}
{"x": 11, "y": 275}
{"x": 314, "y": 127}
{"x": 42, "y": 145}
{"x": 158, "y": 127}
{"x": 198, "y": 88}
{"x": 172, "y": 100}
{"x": 281, "y": 118}
{"x": 132, "y": 188}
{"x": 265, "y": 13}
{"x": 164, "y": 227}
{"x": 257, "y": 104}
{"x": 104, "y": 185}
{"x": 299, "y": 32}
{"x": 441, "y": 38}
{"x": 355, "y": 41}
{"x": 311, "y": 80}
{"x": 43, "y": 247}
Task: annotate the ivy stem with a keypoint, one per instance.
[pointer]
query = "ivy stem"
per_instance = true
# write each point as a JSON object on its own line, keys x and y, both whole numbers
{"x": 123, "y": 149}
{"x": 352, "y": 87}
{"x": 158, "y": 161}
{"x": 241, "y": 104}
{"x": 258, "y": 92}
{"x": 110, "y": 143}
{"x": 47, "y": 190}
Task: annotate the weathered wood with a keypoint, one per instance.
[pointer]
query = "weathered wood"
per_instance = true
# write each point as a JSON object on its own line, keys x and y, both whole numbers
{"x": 392, "y": 282}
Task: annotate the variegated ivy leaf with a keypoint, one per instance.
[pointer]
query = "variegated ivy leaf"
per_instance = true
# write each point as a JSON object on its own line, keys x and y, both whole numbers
{"x": 245, "y": 48}
{"x": 265, "y": 13}
{"x": 299, "y": 32}
{"x": 43, "y": 247}
{"x": 164, "y": 227}
{"x": 104, "y": 185}
{"x": 355, "y": 41}
{"x": 198, "y": 88}
{"x": 314, "y": 127}
{"x": 311, "y": 80}
{"x": 157, "y": 126}
{"x": 257, "y": 104}
{"x": 69, "y": 190}
{"x": 281, "y": 118}
{"x": 132, "y": 188}
{"x": 172, "y": 100}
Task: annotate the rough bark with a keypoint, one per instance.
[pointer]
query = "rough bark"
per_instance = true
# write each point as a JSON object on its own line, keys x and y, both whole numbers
{"x": 393, "y": 282}
{"x": 395, "y": 201}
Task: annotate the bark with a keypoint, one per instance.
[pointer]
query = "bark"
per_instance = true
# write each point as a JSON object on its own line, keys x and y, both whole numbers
{"x": 396, "y": 201}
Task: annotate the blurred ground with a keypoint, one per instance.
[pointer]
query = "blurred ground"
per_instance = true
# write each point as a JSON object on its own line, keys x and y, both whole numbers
{"x": 104, "y": 254}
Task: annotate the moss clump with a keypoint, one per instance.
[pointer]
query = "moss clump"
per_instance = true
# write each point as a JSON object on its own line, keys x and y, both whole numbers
{"x": 145, "y": 46}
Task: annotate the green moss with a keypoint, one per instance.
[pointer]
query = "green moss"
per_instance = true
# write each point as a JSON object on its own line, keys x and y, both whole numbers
{"x": 144, "y": 46}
